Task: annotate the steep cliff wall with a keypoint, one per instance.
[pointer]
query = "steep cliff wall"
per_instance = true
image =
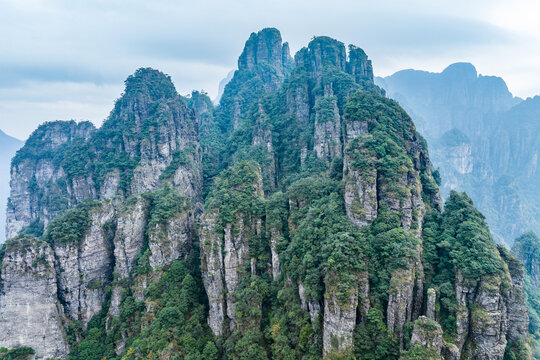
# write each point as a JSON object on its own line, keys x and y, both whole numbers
{"x": 30, "y": 314}
{"x": 39, "y": 190}
{"x": 321, "y": 232}
{"x": 150, "y": 137}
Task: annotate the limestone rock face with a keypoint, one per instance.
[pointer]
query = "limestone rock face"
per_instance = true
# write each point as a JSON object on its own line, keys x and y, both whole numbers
{"x": 176, "y": 135}
{"x": 339, "y": 322}
{"x": 360, "y": 192}
{"x": 275, "y": 236}
{"x": 324, "y": 51}
{"x": 489, "y": 315}
{"x": 430, "y": 306}
{"x": 518, "y": 318}
{"x": 401, "y": 301}
{"x": 488, "y": 322}
{"x": 359, "y": 66}
{"x": 236, "y": 254}
{"x": 428, "y": 333}
{"x": 225, "y": 257}
{"x": 129, "y": 237}
{"x": 262, "y": 138}
{"x": 35, "y": 177}
{"x": 213, "y": 272}
{"x": 30, "y": 314}
{"x": 327, "y": 135}
{"x": 155, "y": 152}
{"x": 172, "y": 240}
{"x": 263, "y": 50}
{"x": 265, "y": 47}
{"x": 410, "y": 206}
{"x": 313, "y": 306}
{"x": 84, "y": 269}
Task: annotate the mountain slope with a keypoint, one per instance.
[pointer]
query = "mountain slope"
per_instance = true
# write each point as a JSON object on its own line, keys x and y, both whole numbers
{"x": 8, "y": 147}
{"x": 322, "y": 233}
{"x": 482, "y": 140}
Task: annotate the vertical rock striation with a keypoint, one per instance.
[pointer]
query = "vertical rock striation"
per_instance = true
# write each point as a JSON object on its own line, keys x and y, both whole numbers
{"x": 39, "y": 190}
{"x": 29, "y": 311}
{"x": 225, "y": 244}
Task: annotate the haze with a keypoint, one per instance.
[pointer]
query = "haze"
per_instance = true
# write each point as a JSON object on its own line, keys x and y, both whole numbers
{"x": 68, "y": 60}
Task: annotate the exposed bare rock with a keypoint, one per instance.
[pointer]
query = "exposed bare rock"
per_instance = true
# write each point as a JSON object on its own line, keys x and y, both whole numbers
{"x": 400, "y": 301}
{"x": 360, "y": 188}
{"x": 310, "y": 305}
{"x": 110, "y": 185}
{"x": 213, "y": 271}
{"x": 227, "y": 268}
{"x": 275, "y": 236}
{"x": 430, "y": 307}
{"x": 359, "y": 66}
{"x": 428, "y": 333}
{"x": 488, "y": 321}
{"x": 339, "y": 322}
{"x": 171, "y": 240}
{"x": 29, "y": 311}
{"x": 129, "y": 237}
{"x": 264, "y": 47}
{"x": 85, "y": 268}
{"x": 35, "y": 177}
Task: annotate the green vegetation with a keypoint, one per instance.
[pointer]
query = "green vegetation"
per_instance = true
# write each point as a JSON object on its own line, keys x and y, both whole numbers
{"x": 265, "y": 184}
{"x": 176, "y": 324}
{"x": 20, "y": 353}
{"x": 526, "y": 248}
{"x": 71, "y": 227}
{"x": 166, "y": 203}
{"x": 457, "y": 241}
{"x": 373, "y": 341}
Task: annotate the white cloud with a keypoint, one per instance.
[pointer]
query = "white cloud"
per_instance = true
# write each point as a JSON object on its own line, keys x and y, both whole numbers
{"x": 68, "y": 59}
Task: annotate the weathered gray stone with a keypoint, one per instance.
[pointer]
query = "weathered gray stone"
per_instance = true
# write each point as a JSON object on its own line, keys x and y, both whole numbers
{"x": 84, "y": 268}
{"x": 213, "y": 271}
{"x": 339, "y": 322}
{"x": 172, "y": 240}
{"x": 430, "y": 307}
{"x": 29, "y": 311}
{"x": 428, "y": 333}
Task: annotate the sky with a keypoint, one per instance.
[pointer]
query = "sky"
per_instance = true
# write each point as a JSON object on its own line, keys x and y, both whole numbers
{"x": 67, "y": 59}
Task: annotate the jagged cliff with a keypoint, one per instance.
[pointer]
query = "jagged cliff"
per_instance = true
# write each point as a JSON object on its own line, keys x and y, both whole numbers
{"x": 322, "y": 233}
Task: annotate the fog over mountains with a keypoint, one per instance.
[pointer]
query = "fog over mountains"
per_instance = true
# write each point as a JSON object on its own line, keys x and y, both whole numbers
{"x": 8, "y": 147}
{"x": 483, "y": 140}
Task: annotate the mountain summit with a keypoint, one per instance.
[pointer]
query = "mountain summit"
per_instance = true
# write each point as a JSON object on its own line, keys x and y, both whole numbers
{"x": 300, "y": 219}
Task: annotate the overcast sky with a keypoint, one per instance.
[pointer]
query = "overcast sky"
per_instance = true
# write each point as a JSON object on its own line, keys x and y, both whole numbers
{"x": 67, "y": 59}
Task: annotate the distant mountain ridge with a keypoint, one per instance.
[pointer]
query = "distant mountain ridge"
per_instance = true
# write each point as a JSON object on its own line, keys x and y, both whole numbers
{"x": 8, "y": 146}
{"x": 498, "y": 163}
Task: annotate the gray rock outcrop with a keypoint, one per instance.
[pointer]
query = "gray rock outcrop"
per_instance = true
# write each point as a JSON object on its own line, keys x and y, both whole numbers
{"x": 30, "y": 314}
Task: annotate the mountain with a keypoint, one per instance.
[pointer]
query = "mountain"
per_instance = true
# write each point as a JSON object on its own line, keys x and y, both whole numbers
{"x": 222, "y": 85}
{"x": 299, "y": 219}
{"x": 483, "y": 141}
{"x": 527, "y": 249}
{"x": 8, "y": 147}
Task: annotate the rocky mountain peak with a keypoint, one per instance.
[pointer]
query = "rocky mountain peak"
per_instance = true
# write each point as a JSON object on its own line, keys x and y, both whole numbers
{"x": 325, "y": 51}
{"x": 461, "y": 70}
{"x": 150, "y": 82}
{"x": 264, "y": 47}
{"x": 359, "y": 66}
{"x": 51, "y": 135}
{"x": 319, "y": 232}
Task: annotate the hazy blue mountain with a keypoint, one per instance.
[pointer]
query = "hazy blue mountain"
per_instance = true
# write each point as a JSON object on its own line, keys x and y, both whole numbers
{"x": 484, "y": 140}
{"x": 222, "y": 85}
{"x": 8, "y": 147}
